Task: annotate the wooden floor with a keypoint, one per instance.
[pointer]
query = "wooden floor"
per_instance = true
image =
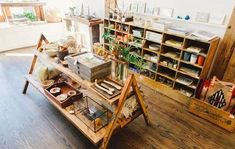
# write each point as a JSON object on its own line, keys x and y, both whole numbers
{"x": 29, "y": 121}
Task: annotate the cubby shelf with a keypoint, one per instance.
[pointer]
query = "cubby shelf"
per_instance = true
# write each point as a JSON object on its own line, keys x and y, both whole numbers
{"x": 166, "y": 51}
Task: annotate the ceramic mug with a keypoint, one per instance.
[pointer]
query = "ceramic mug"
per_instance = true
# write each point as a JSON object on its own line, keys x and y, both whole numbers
{"x": 193, "y": 58}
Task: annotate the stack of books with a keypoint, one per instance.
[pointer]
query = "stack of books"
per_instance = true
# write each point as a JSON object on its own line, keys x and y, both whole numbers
{"x": 204, "y": 35}
{"x": 161, "y": 25}
{"x": 179, "y": 31}
{"x": 152, "y": 36}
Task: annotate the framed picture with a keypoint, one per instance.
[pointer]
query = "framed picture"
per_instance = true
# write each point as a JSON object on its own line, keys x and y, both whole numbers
{"x": 141, "y": 7}
{"x": 149, "y": 9}
{"x": 156, "y": 11}
{"x": 134, "y": 7}
{"x": 217, "y": 18}
{"x": 202, "y": 17}
{"x": 166, "y": 12}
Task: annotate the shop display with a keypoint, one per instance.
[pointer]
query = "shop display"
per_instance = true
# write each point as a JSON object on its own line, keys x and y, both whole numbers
{"x": 153, "y": 36}
{"x": 184, "y": 80}
{"x": 200, "y": 60}
{"x": 92, "y": 118}
{"x": 129, "y": 107}
{"x": 174, "y": 43}
{"x": 193, "y": 59}
{"x": 51, "y": 49}
{"x": 179, "y": 30}
{"x": 154, "y": 47}
{"x": 137, "y": 33}
{"x": 190, "y": 71}
{"x": 218, "y": 93}
{"x": 177, "y": 53}
{"x": 59, "y": 92}
{"x": 194, "y": 49}
{"x": 107, "y": 88}
{"x": 92, "y": 114}
{"x": 89, "y": 66}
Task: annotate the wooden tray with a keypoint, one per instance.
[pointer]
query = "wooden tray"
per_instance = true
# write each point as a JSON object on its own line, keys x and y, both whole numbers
{"x": 65, "y": 87}
{"x": 116, "y": 92}
{"x": 214, "y": 115}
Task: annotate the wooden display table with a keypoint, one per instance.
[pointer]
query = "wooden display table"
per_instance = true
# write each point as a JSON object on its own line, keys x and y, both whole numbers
{"x": 105, "y": 133}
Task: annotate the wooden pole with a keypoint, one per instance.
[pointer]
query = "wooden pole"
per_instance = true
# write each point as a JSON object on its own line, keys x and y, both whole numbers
{"x": 225, "y": 50}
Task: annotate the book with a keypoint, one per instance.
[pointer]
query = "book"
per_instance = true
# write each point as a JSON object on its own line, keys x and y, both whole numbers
{"x": 194, "y": 49}
{"x": 161, "y": 25}
{"x": 174, "y": 43}
{"x": 204, "y": 35}
{"x": 179, "y": 31}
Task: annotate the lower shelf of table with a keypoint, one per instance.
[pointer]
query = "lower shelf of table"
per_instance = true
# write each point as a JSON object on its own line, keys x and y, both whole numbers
{"x": 95, "y": 138}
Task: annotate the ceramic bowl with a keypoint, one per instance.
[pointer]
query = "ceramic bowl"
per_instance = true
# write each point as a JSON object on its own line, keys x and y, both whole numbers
{"x": 55, "y": 91}
{"x": 71, "y": 93}
{"x": 62, "y": 97}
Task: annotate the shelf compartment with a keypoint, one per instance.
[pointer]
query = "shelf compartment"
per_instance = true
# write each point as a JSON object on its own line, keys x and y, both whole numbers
{"x": 151, "y": 66}
{"x": 137, "y": 31}
{"x": 150, "y": 56}
{"x": 183, "y": 89}
{"x": 149, "y": 73}
{"x": 190, "y": 70}
{"x": 173, "y": 41}
{"x": 189, "y": 63}
{"x": 122, "y": 28}
{"x": 169, "y": 73}
{"x": 198, "y": 44}
{"x": 95, "y": 138}
{"x": 168, "y": 62}
{"x": 164, "y": 80}
{"x": 187, "y": 81}
{"x": 153, "y": 36}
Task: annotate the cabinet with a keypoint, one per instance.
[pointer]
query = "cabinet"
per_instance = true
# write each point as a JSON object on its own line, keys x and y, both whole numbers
{"x": 175, "y": 61}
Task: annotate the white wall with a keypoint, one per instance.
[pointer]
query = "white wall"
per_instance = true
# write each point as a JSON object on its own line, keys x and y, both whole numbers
{"x": 191, "y": 7}
{"x": 96, "y": 6}
{"x": 13, "y": 37}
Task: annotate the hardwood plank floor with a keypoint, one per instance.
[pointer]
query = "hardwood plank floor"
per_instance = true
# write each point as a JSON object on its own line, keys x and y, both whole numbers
{"x": 28, "y": 121}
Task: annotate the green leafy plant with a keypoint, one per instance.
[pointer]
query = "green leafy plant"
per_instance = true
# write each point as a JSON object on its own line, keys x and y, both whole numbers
{"x": 30, "y": 15}
{"x": 124, "y": 50}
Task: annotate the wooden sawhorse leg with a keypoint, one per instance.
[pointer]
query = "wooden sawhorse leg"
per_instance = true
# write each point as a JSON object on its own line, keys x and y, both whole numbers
{"x": 42, "y": 38}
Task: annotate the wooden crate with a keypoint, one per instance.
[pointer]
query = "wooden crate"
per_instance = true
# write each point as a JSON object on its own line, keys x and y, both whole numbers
{"x": 89, "y": 69}
{"x": 214, "y": 115}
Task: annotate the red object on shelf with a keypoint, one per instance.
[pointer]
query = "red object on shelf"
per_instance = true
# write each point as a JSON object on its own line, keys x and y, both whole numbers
{"x": 200, "y": 60}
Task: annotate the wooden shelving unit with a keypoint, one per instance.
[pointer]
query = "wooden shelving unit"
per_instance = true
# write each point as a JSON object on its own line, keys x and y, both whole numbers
{"x": 165, "y": 54}
{"x": 115, "y": 104}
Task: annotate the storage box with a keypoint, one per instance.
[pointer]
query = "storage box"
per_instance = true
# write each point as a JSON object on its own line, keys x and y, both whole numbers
{"x": 214, "y": 115}
{"x": 92, "y": 114}
{"x": 64, "y": 89}
{"x": 89, "y": 66}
